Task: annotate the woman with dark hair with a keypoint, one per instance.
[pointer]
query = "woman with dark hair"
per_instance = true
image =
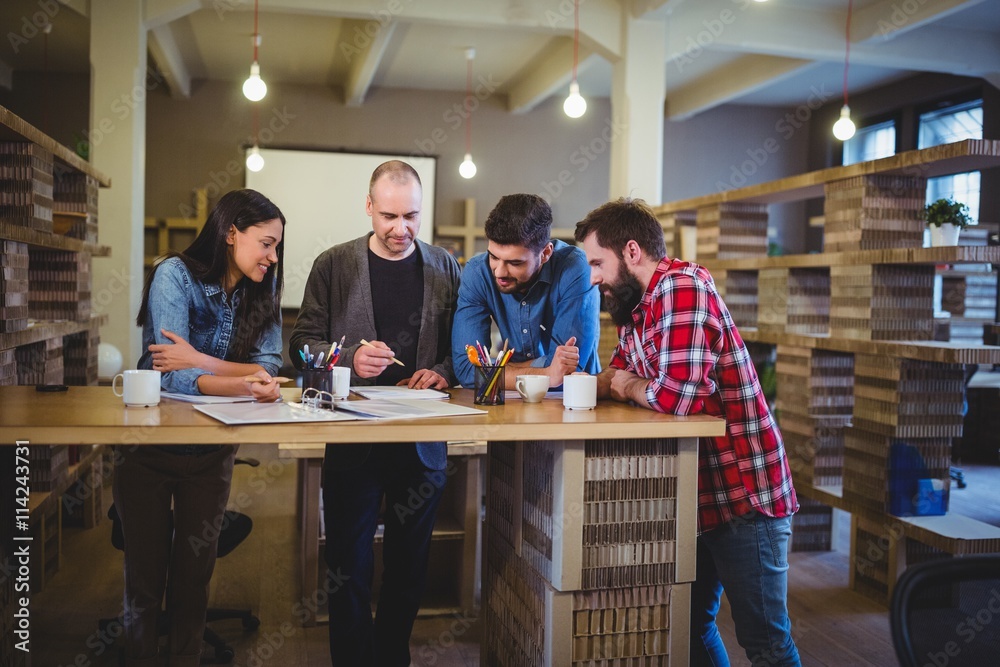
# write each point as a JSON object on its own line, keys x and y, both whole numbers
{"x": 211, "y": 323}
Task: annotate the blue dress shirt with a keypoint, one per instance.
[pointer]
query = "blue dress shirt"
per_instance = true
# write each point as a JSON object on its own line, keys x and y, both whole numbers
{"x": 562, "y": 299}
{"x": 201, "y": 314}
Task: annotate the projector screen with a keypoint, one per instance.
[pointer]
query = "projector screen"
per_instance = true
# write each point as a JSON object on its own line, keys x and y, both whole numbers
{"x": 323, "y": 198}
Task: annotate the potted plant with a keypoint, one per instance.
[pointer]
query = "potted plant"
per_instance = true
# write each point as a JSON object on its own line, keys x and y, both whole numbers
{"x": 946, "y": 218}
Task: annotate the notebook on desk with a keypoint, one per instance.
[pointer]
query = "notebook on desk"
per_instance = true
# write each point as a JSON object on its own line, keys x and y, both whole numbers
{"x": 236, "y": 414}
{"x": 206, "y": 400}
{"x": 405, "y": 409}
{"x": 396, "y": 393}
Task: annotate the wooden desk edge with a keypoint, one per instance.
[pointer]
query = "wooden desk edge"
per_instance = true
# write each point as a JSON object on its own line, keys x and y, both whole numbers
{"x": 312, "y": 450}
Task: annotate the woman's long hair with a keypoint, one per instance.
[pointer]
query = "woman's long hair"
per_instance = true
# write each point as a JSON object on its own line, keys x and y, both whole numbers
{"x": 207, "y": 258}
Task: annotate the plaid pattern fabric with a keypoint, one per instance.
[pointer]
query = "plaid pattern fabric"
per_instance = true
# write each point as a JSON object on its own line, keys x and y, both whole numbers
{"x": 684, "y": 341}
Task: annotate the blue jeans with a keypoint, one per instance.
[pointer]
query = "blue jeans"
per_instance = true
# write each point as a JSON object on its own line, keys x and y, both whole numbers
{"x": 351, "y": 501}
{"x": 748, "y": 557}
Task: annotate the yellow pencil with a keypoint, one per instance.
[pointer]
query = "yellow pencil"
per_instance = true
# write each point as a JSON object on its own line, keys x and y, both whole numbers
{"x": 254, "y": 378}
{"x": 394, "y": 359}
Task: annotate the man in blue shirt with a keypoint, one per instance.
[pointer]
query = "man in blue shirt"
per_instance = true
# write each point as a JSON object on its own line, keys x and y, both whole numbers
{"x": 537, "y": 291}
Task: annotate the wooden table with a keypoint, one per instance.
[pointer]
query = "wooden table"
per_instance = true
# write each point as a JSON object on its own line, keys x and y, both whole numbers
{"x": 565, "y": 577}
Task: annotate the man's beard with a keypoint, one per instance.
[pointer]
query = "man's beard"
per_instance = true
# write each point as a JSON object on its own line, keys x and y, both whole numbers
{"x": 622, "y": 296}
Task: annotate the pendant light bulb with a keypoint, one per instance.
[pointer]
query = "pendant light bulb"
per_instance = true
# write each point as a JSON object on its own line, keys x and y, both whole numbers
{"x": 575, "y": 106}
{"x": 254, "y": 87}
{"x": 468, "y": 168}
{"x": 255, "y": 161}
{"x": 843, "y": 129}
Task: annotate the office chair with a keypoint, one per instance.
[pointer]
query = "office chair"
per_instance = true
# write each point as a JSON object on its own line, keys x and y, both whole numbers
{"x": 947, "y": 612}
{"x": 236, "y": 528}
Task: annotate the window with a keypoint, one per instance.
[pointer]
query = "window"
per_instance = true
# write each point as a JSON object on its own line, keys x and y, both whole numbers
{"x": 944, "y": 126}
{"x": 871, "y": 143}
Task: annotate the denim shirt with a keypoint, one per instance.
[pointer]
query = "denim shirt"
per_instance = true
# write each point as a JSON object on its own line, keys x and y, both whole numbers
{"x": 562, "y": 299}
{"x": 201, "y": 314}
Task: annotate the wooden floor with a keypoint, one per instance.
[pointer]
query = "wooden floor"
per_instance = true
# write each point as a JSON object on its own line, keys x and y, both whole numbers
{"x": 831, "y": 625}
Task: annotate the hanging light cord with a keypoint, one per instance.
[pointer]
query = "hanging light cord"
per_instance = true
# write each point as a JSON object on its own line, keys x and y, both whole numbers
{"x": 576, "y": 35}
{"x": 255, "y": 35}
{"x": 468, "y": 105}
{"x": 45, "y": 77}
{"x": 847, "y": 41}
{"x": 256, "y": 123}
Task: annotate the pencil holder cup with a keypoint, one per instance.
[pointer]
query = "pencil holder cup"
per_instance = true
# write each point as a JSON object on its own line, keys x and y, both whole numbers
{"x": 489, "y": 385}
{"x": 319, "y": 379}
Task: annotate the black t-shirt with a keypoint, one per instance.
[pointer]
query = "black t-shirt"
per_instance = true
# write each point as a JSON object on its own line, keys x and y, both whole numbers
{"x": 397, "y": 300}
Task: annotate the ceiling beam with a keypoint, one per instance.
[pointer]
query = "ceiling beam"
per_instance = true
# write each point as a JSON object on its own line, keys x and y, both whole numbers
{"x": 741, "y": 77}
{"x": 364, "y": 65}
{"x": 167, "y": 56}
{"x": 546, "y": 75}
{"x": 888, "y": 19}
{"x": 81, "y": 7}
{"x": 817, "y": 35}
{"x": 600, "y": 20}
{"x": 162, "y": 12}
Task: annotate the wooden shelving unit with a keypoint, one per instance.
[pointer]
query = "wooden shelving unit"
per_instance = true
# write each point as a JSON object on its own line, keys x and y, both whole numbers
{"x": 866, "y": 399}
{"x": 48, "y": 235}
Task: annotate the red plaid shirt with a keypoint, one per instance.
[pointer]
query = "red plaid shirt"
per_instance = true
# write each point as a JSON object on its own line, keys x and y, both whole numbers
{"x": 684, "y": 341}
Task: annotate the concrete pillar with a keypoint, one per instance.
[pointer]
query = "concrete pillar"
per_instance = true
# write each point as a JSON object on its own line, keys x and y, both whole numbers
{"x": 118, "y": 148}
{"x": 638, "y": 92}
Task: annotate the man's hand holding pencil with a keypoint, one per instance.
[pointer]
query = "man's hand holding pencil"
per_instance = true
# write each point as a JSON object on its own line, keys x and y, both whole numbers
{"x": 371, "y": 358}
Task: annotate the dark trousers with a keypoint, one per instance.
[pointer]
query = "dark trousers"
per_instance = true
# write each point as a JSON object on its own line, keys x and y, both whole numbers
{"x": 160, "y": 548}
{"x": 351, "y": 501}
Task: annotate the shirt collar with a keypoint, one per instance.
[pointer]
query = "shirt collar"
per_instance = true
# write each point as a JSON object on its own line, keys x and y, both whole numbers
{"x": 647, "y": 297}
{"x": 544, "y": 276}
{"x": 215, "y": 289}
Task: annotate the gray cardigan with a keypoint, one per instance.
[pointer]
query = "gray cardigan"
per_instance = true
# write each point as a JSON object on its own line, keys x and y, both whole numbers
{"x": 338, "y": 302}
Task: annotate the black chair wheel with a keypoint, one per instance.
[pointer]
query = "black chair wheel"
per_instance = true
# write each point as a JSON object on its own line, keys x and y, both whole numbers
{"x": 251, "y": 624}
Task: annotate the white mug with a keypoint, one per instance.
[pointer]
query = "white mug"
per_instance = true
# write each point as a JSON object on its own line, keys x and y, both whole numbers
{"x": 532, "y": 388}
{"x": 580, "y": 391}
{"x": 341, "y": 382}
{"x": 139, "y": 388}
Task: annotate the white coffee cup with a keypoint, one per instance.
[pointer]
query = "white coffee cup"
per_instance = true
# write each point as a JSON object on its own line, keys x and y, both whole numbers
{"x": 532, "y": 388}
{"x": 580, "y": 391}
{"x": 341, "y": 382}
{"x": 140, "y": 389}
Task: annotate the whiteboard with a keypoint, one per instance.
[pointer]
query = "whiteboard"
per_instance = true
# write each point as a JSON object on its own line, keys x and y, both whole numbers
{"x": 323, "y": 198}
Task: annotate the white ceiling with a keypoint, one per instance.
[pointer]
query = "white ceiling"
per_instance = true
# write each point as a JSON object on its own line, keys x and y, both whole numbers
{"x": 777, "y": 53}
